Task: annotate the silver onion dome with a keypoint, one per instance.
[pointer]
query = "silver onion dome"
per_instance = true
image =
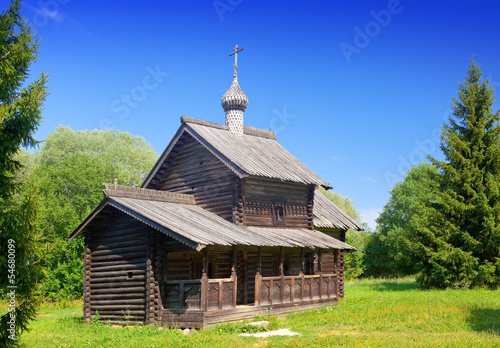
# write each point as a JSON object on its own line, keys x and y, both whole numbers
{"x": 234, "y": 98}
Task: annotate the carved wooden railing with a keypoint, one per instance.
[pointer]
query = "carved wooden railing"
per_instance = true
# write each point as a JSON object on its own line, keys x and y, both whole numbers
{"x": 294, "y": 289}
{"x": 207, "y": 294}
{"x": 182, "y": 294}
{"x": 218, "y": 293}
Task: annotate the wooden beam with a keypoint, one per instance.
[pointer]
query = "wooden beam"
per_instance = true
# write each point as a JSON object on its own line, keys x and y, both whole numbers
{"x": 204, "y": 282}
{"x": 258, "y": 277}
{"x": 282, "y": 280}
{"x": 234, "y": 276}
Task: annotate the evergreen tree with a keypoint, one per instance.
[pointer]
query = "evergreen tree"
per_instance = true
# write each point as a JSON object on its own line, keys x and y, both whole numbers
{"x": 464, "y": 244}
{"x": 20, "y": 115}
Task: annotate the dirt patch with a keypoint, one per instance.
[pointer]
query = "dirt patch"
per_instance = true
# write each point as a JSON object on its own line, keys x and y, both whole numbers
{"x": 280, "y": 332}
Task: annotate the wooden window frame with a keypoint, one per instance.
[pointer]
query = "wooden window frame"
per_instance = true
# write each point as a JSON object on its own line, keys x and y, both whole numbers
{"x": 274, "y": 212}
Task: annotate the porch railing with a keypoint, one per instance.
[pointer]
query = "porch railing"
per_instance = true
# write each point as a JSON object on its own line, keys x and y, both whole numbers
{"x": 294, "y": 289}
{"x": 182, "y": 294}
{"x": 207, "y": 294}
{"x": 216, "y": 294}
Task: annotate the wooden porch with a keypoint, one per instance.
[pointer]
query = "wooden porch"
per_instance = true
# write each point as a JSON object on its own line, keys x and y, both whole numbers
{"x": 205, "y": 302}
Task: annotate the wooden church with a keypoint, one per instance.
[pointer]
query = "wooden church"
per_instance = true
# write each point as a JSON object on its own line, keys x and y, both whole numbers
{"x": 226, "y": 226}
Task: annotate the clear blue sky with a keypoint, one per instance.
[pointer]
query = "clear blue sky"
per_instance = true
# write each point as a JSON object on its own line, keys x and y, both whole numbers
{"x": 352, "y": 88}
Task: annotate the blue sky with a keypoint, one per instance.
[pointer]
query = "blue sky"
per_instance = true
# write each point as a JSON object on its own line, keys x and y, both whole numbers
{"x": 357, "y": 90}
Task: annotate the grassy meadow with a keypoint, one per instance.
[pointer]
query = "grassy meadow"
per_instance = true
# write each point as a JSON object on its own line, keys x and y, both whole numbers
{"x": 375, "y": 313}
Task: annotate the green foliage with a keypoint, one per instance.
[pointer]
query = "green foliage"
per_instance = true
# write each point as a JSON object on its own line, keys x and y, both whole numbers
{"x": 393, "y": 249}
{"x": 20, "y": 115}
{"x": 20, "y": 108}
{"x": 443, "y": 221}
{"x": 465, "y": 250}
{"x": 71, "y": 167}
{"x": 354, "y": 265}
{"x": 19, "y": 228}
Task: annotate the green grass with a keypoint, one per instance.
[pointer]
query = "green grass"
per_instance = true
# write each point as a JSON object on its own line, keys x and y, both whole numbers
{"x": 375, "y": 313}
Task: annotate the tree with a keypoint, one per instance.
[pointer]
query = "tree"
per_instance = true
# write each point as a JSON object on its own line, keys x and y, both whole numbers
{"x": 20, "y": 115}
{"x": 467, "y": 252}
{"x": 394, "y": 249}
{"x": 443, "y": 221}
{"x": 71, "y": 167}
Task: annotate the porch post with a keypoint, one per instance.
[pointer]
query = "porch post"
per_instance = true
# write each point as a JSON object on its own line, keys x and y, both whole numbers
{"x": 282, "y": 280}
{"x": 258, "y": 277}
{"x": 204, "y": 282}
{"x": 234, "y": 275}
{"x": 320, "y": 271}
{"x": 301, "y": 273}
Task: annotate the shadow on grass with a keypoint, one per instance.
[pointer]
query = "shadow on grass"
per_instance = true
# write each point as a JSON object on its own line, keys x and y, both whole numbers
{"x": 485, "y": 320}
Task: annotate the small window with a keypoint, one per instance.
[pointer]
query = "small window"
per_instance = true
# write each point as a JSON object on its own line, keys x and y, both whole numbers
{"x": 279, "y": 213}
{"x": 129, "y": 275}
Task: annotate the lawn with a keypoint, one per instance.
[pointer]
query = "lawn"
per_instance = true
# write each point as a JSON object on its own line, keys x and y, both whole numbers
{"x": 375, "y": 313}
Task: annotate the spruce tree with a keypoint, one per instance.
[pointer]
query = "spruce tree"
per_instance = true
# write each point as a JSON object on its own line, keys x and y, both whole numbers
{"x": 463, "y": 246}
{"x": 20, "y": 115}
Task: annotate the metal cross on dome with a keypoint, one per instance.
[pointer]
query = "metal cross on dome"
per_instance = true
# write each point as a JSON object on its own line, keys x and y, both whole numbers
{"x": 236, "y": 49}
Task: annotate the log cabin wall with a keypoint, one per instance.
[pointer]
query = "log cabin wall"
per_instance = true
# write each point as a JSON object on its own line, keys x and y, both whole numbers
{"x": 271, "y": 202}
{"x": 192, "y": 169}
{"x": 116, "y": 265}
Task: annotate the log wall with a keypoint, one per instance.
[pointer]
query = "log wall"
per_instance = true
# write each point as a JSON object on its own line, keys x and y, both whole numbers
{"x": 116, "y": 265}
{"x": 192, "y": 169}
{"x": 187, "y": 265}
{"x": 261, "y": 195}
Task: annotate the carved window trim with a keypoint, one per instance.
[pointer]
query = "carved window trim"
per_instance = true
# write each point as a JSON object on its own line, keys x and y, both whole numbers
{"x": 279, "y": 212}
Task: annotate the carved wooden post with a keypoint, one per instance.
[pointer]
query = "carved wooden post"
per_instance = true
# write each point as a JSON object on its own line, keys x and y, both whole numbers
{"x": 282, "y": 280}
{"x": 204, "y": 282}
{"x": 320, "y": 271}
{"x": 234, "y": 276}
{"x": 258, "y": 277}
{"x": 301, "y": 273}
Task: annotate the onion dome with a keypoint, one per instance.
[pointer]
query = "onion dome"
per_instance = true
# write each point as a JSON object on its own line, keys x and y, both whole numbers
{"x": 235, "y": 101}
{"x": 234, "y": 98}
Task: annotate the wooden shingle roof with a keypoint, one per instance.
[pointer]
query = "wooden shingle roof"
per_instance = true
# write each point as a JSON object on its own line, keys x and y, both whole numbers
{"x": 177, "y": 216}
{"x": 327, "y": 215}
{"x": 256, "y": 152}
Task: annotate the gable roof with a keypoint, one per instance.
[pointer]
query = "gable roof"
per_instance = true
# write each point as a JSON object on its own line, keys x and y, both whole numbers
{"x": 327, "y": 215}
{"x": 256, "y": 152}
{"x": 176, "y": 216}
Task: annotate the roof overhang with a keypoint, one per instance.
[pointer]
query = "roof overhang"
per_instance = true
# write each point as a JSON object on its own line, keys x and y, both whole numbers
{"x": 197, "y": 227}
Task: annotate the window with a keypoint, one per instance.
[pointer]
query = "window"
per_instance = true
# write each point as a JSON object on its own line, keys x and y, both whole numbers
{"x": 279, "y": 213}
